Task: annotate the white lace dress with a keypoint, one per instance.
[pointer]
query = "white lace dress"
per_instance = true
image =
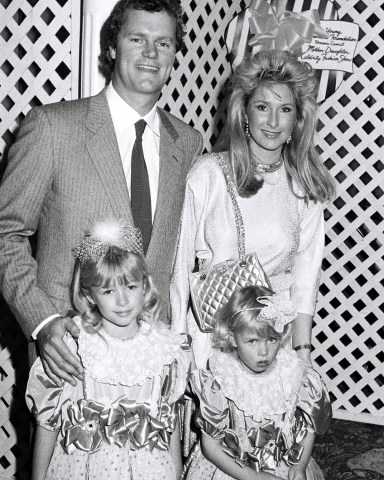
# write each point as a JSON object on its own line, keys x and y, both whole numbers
{"x": 259, "y": 418}
{"x": 285, "y": 232}
{"x": 116, "y": 425}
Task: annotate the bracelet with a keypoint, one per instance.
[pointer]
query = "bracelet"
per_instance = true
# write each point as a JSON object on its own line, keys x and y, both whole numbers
{"x": 304, "y": 346}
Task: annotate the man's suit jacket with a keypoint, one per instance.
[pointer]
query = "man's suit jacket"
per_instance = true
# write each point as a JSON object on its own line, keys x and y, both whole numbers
{"x": 64, "y": 171}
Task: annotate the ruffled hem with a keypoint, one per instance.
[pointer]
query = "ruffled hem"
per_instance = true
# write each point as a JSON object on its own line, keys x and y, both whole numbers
{"x": 260, "y": 395}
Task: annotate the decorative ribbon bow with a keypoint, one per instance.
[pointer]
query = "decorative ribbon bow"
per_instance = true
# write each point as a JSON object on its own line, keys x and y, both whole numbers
{"x": 128, "y": 419}
{"x": 83, "y": 429}
{"x": 90, "y": 423}
{"x": 231, "y": 446}
{"x": 274, "y": 28}
{"x": 270, "y": 448}
{"x": 123, "y": 417}
{"x": 278, "y": 311}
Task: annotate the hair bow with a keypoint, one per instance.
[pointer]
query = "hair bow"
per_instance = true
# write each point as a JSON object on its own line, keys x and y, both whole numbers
{"x": 269, "y": 26}
{"x": 105, "y": 234}
{"x": 278, "y": 311}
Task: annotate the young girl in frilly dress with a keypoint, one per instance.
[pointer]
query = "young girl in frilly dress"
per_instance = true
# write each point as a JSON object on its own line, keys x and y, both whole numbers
{"x": 259, "y": 404}
{"x": 120, "y": 422}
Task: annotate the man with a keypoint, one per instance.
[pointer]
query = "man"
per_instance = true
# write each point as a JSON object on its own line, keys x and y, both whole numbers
{"x": 71, "y": 164}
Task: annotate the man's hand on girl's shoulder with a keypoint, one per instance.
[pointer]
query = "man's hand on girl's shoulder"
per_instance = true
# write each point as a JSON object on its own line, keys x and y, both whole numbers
{"x": 58, "y": 362}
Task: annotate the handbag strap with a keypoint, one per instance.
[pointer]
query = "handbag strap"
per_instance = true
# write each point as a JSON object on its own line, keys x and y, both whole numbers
{"x": 240, "y": 230}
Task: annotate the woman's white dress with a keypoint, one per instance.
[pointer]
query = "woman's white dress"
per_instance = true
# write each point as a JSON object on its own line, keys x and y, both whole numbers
{"x": 286, "y": 233}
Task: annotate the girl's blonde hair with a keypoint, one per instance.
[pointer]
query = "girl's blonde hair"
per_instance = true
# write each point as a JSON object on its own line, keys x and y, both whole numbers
{"x": 268, "y": 68}
{"x": 114, "y": 266}
{"x": 241, "y": 312}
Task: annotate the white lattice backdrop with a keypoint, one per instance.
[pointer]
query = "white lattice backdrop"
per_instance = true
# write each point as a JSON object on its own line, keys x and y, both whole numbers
{"x": 349, "y": 335}
{"x": 37, "y": 66}
{"x": 39, "y": 45}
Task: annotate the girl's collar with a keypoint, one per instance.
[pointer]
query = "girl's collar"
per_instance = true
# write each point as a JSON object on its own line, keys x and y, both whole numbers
{"x": 113, "y": 361}
{"x": 260, "y": 396}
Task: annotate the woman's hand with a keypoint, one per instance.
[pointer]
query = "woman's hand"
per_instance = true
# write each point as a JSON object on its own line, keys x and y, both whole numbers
{"x": 58, "y": 362}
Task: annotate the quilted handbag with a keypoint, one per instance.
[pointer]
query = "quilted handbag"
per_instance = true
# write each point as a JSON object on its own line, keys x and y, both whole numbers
{"x": 211, "y": 289}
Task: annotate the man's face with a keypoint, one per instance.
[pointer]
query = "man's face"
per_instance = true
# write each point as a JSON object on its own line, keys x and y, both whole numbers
{"x": 144, "y": 56}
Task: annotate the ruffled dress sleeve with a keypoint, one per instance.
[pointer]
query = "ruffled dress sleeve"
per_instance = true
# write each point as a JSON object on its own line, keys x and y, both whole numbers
{"x": 307, "y": 265}
{"x": 212, "y": 415}
{"x": 314, "y": 402}
{"x": 44, "y": 398}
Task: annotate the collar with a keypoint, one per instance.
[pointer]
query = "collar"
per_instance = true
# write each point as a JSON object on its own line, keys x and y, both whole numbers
{"x": 113, "y": 361}
{"x": 263, "y": 395}
{"x": 123, "y": 115}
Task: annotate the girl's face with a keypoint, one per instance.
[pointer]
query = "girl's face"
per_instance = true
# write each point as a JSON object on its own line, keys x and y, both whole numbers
{"x": 256, "y": 354}
{"x": 271, "y": 115}
{"x": 120, "y": 306}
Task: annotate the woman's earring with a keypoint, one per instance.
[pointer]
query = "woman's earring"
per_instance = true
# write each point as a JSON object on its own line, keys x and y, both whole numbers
{"x": 246, "y": 131}
{"x": 289, "y": 139}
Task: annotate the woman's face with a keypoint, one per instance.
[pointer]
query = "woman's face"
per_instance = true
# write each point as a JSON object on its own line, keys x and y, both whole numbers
{"x": 271, "y": 115}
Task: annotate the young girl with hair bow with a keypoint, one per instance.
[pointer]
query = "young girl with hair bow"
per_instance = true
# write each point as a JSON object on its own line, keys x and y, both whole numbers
{"x": 259, "y": 405}
{"x": 121, "y": 421}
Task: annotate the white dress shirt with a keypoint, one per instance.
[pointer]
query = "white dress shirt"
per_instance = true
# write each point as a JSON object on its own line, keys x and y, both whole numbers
{"x": 124, "y": 118}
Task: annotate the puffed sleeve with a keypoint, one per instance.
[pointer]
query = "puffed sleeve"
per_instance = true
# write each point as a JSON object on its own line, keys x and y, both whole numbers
{"x": 44, "y": 398}
{"x": 307, "y": 266}
{"x": 212, "y": 415}
{"x": 183, "y": 265}
{"x": 314, "y": 401}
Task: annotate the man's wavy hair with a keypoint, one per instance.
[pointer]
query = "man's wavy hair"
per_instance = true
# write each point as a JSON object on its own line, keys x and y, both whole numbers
{"x": 116, "y": 19}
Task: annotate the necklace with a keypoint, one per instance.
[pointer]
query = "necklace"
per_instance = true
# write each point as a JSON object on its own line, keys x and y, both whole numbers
{"x": 125, "y": 339}
{"x": 132, "y": 337}
{"x": 262, "y": 168}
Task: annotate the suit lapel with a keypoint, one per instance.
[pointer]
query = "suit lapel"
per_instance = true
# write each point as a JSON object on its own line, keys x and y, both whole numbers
{"x": 104, "y": 152}
{"x": 171, "y": 160}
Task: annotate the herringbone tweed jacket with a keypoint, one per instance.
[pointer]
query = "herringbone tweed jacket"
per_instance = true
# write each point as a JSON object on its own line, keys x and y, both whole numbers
{"x": 65, "y": 170}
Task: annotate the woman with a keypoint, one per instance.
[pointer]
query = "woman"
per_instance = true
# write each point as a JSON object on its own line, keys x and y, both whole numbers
{"x": 281, "y": 188}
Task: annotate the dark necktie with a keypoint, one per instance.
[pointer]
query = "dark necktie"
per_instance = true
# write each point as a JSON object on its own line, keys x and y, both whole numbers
{"x": 140, "y": 191}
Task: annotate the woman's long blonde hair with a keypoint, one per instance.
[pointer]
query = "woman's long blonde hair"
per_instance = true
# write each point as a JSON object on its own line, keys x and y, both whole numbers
{"x": 304, "y": 167}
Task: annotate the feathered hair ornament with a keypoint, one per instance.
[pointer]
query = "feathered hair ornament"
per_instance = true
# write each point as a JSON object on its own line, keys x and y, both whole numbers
{"x": 105, "y": 234}
{"x": 278, "y": 311}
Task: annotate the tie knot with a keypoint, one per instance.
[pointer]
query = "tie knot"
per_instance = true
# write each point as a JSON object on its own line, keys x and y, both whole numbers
{"x": 140, "y": 127}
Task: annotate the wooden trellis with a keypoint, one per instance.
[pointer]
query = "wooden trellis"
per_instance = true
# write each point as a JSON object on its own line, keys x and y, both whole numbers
{"x": 349, "y": 335}
{"x": 39, "y": 58}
